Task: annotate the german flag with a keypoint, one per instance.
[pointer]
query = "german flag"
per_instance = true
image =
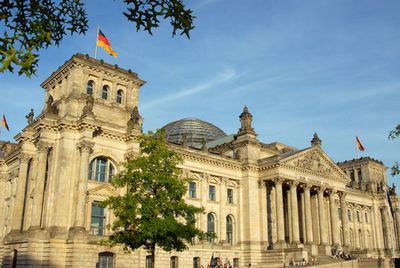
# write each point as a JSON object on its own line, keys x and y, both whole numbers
{"x": 4, "y": 123}
{"x": 102, "y": 41}
{"x": 359, "y": 146}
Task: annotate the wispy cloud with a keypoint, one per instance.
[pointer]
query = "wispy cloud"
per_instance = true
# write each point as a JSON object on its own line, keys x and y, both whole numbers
{"x": 221, "y": 78}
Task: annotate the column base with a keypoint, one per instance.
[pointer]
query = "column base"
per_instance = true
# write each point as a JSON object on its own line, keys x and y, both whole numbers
{"x": 35, "y": 232}
{"x": 280, "y": 245}
{"x": 78, "y": 233}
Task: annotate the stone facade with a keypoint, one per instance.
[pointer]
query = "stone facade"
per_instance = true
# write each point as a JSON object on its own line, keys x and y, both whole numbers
{"x": 267, "y": 203}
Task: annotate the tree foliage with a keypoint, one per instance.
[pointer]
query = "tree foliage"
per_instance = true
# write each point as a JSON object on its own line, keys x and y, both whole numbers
{"x": 152, "y": 212}
{"x": 394, "y": 134}
{"x": 31, "y": 25}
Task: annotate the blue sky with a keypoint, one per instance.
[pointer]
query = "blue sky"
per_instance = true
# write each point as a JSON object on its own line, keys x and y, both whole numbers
{"x": 329, "y": 66}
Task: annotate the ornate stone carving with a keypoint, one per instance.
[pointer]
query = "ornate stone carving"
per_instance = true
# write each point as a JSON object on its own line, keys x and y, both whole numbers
{"x": 316, "y": 141}
{"x": 24, "y": 158}
{"x": 135, "y": 120}
{"x": 51, "y": 107}
{"x": 130, "y": 155}
{"x": 278, "y": 180}
{"x": 43, "y": 147}
{"x": 312, "y": 161}
{"x": 85, "y": 146}
{"x": 245, "y": 121}
{"x": 29, "y": 117}
{"x": 88, "y": 108}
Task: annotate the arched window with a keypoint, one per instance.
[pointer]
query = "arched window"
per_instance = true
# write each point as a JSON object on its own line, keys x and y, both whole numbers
{"x": 119, "y": 96}
{"x": 104, "y": 93}
{"x": 106, "y": 260}
{"x": 229, "y": 229}
{"x": 89, "y": 87}
{"x": 101, "y": 169}
{"x": 351, "y": 238}
{"x": 210, "y": 227}
{"x": 360, "y": 239}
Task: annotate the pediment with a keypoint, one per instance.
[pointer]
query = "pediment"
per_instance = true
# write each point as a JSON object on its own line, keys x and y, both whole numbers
{"x": 104, "y": 190}
{"x": 315, "y": 160}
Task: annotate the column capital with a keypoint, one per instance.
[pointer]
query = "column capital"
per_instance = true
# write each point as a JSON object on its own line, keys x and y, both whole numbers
{"x": 322, "y": 188}
{"x": 342, "y": 194}
{"x": 85, "y": 146}
{"x": 24, "y": 158}
{"x": 332, "y": 191}
{"x": 278, "y": 181}
{"x": 43, "y": 147}
{"x": 307, "y": 186}
{"x": 293, "y": 183}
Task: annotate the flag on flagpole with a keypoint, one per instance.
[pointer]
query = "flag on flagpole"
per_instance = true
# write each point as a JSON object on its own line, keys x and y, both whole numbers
{"x": 212, "y": 265}
{"x": 4, "y": 123}
{"x": 102, "y": 42}
{"x": 359, "y": 145}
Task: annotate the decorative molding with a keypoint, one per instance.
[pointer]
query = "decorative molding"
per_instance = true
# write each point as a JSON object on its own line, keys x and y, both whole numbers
{"x": 85, "y": 146}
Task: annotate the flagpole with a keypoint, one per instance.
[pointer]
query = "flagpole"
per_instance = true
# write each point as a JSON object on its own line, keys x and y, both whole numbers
{"x": 97, "y": 38}
{"x": 356, "y": 149}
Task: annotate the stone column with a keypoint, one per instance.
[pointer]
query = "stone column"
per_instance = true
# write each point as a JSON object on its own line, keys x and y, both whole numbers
{"x": 86, "y": 149}
{"x": 279, "y": 211}
{"x": 386, "y": 225}
{"x": 20, "y": 193}
{"x": 345, "y": 220}
{"x": 294, "y": 212}
{"x": 222, "y": 209}
{"x": 309, "y": 226}
{"x": 322, "y": 217}
{"x": 364, "y": 230}
{"x": 397, "y": 214}
{"x": 334, "y": 218}
{"x": 43, "y": 149}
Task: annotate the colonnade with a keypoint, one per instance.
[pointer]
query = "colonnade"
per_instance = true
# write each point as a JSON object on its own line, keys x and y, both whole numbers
{"x": 312, "y": 214}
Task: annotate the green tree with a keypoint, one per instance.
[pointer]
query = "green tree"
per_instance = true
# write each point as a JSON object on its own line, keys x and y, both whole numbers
{"x": 394, "y": 134}
{"x": 152, "y": 211}
{"x": 31, "y": 25}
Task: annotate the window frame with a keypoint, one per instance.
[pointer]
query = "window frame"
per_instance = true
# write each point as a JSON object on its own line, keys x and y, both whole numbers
{"x": 196, "y": 262}
{"x": 174, "y": 262}
{"x": 229, "y": 197}
{"x": 97, "y": 230}
{"x": 96, "y": 172}
{"x": 229, "y": 229}
{"x": 119, "y": 96}
{"x": 192, "y": 190}
{"x": 210, "y": 227}
{"x": 104, "y": 92}
{"x": 212, "y": 193}
{"x": 91, "y": 84}
{"x": 106, "y": 255}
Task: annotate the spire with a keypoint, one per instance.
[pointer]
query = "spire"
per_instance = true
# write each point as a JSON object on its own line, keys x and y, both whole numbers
{"x": 245, "y": 120}
{"x": 316, "y": 141}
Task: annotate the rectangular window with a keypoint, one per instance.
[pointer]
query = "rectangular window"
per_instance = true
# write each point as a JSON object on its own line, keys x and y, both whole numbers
{"x": 236, "y": 263}
{"x": 196, "y": 262}
{"x": 352, "y": 177}
{"x": 230, "y": 195}
{"x": 358, "y": 216}
{"x": 359, "y": 174}
{"x": 174, "y": 262}
{"x": 211, "y": 192}
{"x": 192, "y": 189}
{"x": 349, "y": 214}
{"x": 97, "y": 220}
{"x": 106, "y": 260}
{"x": 149, "y": 261}
{"x": 366, "y": 217}
{"x": 340, "y": 214}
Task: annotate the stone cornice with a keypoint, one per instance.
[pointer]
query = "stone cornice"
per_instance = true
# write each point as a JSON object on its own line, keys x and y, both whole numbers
{"x": 93, "y": 64}
{"x": 206, "y": 158}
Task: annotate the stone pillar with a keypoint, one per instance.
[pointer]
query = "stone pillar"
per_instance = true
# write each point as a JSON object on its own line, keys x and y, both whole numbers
{"x": 323, "y": 227}
{"x": 43, "y": 149}
{"x": 334, "y": 218}
{"x": 279, "y": 211}
{"x": 294, "y": 209}
{"x": 345, "y": 220}
{"x": 20, "y": 193}
{"x": 309, "y": 226}
{"x": 222, "y": 209}
{"x": 364, "y": 230}
{"x": 397, "y": 215}
{"x": 386, "y": 225}
{"x": 86, "y": 149}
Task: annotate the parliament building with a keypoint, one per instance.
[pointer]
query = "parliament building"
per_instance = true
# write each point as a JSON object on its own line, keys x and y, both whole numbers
{"x": 268, "y": 203}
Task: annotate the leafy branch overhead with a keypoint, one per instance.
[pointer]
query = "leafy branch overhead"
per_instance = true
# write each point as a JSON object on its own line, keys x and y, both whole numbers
{"x": 31, "y": 25}
{"x": 394, "y": 134}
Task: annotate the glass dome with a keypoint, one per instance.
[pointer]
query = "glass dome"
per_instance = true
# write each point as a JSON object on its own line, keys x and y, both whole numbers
{"x": 196, "y": 131}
